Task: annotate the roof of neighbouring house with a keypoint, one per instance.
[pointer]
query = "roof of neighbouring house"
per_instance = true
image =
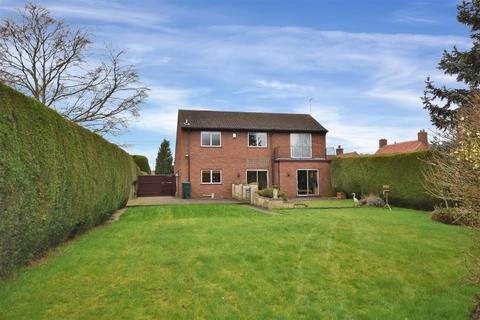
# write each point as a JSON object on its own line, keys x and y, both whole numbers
{"x": 403, "y": 147}
{"x": 231, "y": 120}
{"x": 353, "y": 154}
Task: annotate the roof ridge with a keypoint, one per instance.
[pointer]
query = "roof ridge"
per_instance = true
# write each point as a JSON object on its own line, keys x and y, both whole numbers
{"x": 397, "y": 143}
{"x": 232, "y": 111}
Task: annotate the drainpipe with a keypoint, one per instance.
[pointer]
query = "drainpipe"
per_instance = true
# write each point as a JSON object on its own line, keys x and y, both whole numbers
{"x": 272, "y": 159}
{"x": 188, "y": 155}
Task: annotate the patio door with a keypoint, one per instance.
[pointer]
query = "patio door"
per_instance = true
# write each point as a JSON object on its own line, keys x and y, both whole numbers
{"x": 307, "y": 182}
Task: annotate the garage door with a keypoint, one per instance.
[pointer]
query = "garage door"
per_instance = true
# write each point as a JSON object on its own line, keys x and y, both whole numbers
{"x": 149, "y": 186}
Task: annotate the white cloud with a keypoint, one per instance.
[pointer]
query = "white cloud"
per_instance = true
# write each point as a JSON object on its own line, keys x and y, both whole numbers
{"x": 107, "y": 12}
{"x": 277, "y": 85}
{"x": 403, "y": 98}
{"x": 414, "y": 18}
{"x": 161, "y": 116}
{"x": 359, "y": 133}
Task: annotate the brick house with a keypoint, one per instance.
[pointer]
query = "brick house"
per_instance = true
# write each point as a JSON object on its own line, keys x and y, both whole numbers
{"x": 215, "y": 149}
{"x": 340, "y": 154}
{"x": 421, "y": 144}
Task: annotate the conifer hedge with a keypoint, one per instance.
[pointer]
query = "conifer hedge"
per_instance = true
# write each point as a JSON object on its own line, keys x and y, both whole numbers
{"x": 57, "y": 179}
{"x": 367, "y": 174}
{"x": 142, "y": 163}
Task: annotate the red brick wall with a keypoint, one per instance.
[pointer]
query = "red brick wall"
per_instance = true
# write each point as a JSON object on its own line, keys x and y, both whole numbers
{"x": 233, "y": 158}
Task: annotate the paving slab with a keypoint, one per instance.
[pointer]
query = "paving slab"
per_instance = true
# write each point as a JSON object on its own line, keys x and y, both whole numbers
{"x": 156, "y": 201}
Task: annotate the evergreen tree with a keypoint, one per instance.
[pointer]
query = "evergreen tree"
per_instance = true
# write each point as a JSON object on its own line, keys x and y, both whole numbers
{"x": 442, "y": 102}
{"x": 164, "y": 164}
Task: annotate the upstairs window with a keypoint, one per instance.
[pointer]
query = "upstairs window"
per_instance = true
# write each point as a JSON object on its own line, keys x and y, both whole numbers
{"x": 300, "y": 145}
{"x": 211, "y": 139}
{"x": 211, "y": 177}
{"x": 257, "y": 139}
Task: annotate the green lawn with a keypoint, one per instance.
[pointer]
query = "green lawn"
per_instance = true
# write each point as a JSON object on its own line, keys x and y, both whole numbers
{"x": 230, "y": 262}
{"x": 330, "y": 203}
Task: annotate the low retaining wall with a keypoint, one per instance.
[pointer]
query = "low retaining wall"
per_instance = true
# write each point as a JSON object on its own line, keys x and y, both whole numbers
{"x": 270, "y": 203}
{"x": 243, "y": 192}
{"x": 248, "y": 193}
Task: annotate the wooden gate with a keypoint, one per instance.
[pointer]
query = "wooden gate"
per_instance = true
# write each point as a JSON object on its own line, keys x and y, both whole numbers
{"x": 149, "y": 186}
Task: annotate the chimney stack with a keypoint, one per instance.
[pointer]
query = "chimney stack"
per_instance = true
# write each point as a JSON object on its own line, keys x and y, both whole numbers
{"x": 339, "y": 150}
{"x": 423, "y": 136}
{"x": 382, "y": 143}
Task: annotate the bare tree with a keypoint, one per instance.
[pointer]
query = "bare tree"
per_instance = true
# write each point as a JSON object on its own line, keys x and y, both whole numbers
{"x": 454, "y": 172}
{"x": 45, "y": 58}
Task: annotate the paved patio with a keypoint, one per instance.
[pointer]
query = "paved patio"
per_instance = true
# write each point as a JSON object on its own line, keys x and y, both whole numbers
{"x": 155, "y": 201}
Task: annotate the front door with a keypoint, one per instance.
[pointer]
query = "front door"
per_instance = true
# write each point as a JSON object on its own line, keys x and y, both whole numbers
{"x": 307, "y": 182}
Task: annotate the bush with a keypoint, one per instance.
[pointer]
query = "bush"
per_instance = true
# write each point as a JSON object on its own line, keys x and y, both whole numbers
{"x": 454, "y": 216}
{"x": 447, "y": 216}
{"x": 142, "y": 163}
{"x": 372, "y": 200}
{"x": 56, "y": 179}
{"x": 268, "y": 193}
{"x": 367, "y": 174}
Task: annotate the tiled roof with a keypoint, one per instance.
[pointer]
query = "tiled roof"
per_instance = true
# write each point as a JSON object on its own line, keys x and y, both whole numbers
{"x": 403, "y": 147}
{"x": 228, "y": 120}
{"x": 353, "y": 154}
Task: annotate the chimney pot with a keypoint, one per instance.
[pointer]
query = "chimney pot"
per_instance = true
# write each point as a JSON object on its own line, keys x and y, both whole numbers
{"x": 339, "y": 150}
{"x": 382, "y": 143}
{"x": 423, "y": 136}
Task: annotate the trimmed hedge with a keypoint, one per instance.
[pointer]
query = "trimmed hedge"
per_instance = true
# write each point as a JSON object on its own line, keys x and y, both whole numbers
{"x": 142, "y": 163}
{"x": 368, "y": 174}
{"x": 57, "y": 179}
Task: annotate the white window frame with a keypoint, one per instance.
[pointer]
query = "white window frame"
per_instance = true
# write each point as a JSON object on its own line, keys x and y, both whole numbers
{"x": 292, "y": 146}
{"x": 211, "y": 176}
{"x": 268, "y": 179}
{"x": 210, "y": 133}
{"x": 318, "y": 182}
{"x": 257, "y": 146}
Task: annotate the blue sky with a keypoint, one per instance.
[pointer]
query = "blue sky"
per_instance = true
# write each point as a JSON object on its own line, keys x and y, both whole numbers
{"x": 362, "y": 62}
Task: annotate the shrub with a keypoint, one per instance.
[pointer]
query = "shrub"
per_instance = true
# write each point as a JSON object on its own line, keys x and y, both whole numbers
{"x": 372, "y": 200}
{"x": 367, "y": 174}
{"x": 142, "y": 163}
{"x": 446, "y": 215}
{"x": 56, "y": 179}
{"x": 456, "y": 216}
{"x": 268, "y": 193}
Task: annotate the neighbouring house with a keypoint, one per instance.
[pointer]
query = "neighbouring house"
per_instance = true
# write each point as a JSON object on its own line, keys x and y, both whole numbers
{"x": 215, "y": 149}
{"x": 421, "y": 144}
{"x": 340, "y": 154}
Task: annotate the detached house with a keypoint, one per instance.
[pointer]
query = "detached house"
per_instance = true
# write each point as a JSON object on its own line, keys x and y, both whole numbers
{"x": 215, "y": 149}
